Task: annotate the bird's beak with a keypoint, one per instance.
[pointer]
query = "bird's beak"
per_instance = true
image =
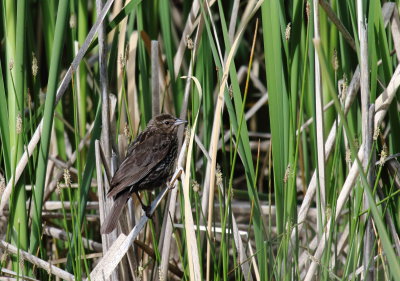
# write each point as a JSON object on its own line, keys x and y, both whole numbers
{"x": 179, "y": 122}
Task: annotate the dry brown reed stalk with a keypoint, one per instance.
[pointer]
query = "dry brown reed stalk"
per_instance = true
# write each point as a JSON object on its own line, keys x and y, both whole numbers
{"x": 63, "y": 235}
{"x": 121, "y": 65}
{"x": 51, "y": 269}
{"x": 155, "y": 86}
{"x": 167, "y": 228}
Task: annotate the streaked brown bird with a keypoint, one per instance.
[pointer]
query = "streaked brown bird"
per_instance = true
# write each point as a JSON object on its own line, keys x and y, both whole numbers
{"x": 149, "y": 163}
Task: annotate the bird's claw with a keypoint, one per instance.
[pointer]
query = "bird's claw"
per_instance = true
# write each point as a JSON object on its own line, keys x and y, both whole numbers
{"x": 179, "y": 170}
{"x": 170, "y": 186}
{"x": 147, "y": 211}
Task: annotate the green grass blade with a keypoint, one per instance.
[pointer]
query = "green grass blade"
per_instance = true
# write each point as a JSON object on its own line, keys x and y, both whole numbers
{"x": 47, "y": 123}
{"x": 4, "y": 130}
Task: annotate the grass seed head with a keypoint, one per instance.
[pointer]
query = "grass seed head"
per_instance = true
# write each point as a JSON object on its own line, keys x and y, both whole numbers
{"x": 335, "y": 60}
{"x": 383, "y": 156}
{"x": 287, "y": 32}
{"x": 35, "y": 66}
{"x": 348, "y": 156}
{"x": 195, "y": 186}
{"x": 67, "y": 177}
{"x": 58, "y": 188}
{"x": 126, "y": 130}
{"x": 376, "y": 133}
{"x": 288, "y": 173}
{"x": 230, "y": 91}
{"x": 218, "y": 176}
{"x": 343, "y": 86}
{"x": 19, "y": 124}
{"x": 72, "y": 21}
{"x": 187, "y": 136}
{"x": 308, "y": 10}
{"x": 189, "y": 43}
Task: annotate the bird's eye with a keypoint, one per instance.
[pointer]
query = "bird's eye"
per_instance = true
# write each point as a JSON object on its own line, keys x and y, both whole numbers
{"x": 166, "y": 122}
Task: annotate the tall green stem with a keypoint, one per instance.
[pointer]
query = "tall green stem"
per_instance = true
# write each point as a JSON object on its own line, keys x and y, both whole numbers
{"x": 47, "y": 124}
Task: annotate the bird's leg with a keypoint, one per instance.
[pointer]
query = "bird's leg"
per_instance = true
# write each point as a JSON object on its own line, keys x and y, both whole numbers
{"x": 146, "y": 208}
{"x": 170, "y": 186}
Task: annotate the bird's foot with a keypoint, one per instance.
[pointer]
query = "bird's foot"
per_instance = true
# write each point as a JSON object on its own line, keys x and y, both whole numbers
{"x": 146, "y": 208}
{"x": 170, "y": 186}
{"x": 147, "y": 211}
{"x": 175, "y": 177}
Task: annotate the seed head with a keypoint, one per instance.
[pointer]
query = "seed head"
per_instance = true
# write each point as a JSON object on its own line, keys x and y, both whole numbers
{"x": 287, "y": 32}
{"x": 58, "y": 188}
{"x": 308, "y": 10}
{"x": 288, "y": 172}
{"x": 376, "y": 133}
{"x": 348, "y": 156}
{"x": 67, "y": 178}
{"x": 72, "y": 21}
{"x": 29, "y": 97}
{"x": 231, "y": 91}
{"x": 196, "y": 186}
{"x": 383, "y": 156}
{"x": 189, "y": 43}
{"x": 289, "y": 226}
{"x": 328, "y": 213}
{"x": 35, "y": 66}
{"x": 356, "y": 143}
{"x": 187, "y": 135}
{"x": 126, "y": 130}
{"x": 19, "y": 124}
{"x": 218, "y": 176}
{"x": 335, "y": 61}
{"x": 343, "y": 86}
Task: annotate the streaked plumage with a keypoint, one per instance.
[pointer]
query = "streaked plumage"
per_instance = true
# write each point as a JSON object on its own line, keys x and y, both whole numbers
{"x": 148, "y": 164}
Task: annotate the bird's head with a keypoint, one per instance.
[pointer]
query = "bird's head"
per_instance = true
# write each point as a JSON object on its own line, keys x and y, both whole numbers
{"x": 166, "y": 123}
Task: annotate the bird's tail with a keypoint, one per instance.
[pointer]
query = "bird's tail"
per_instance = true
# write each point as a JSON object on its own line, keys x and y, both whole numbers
{"x": 113, "y": 216}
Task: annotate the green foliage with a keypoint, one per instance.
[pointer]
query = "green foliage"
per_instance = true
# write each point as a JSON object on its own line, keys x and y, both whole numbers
{"x": 265, "y": 162}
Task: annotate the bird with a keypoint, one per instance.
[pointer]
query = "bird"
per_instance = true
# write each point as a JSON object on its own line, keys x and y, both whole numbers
{"x": 148, "y": 164}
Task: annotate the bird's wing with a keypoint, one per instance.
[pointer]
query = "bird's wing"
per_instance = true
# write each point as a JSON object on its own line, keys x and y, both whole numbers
{"x": 143, "y": 155}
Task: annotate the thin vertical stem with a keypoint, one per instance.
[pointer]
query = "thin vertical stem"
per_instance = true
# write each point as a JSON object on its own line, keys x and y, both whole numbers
{"x": 368, "y": 254}
{"x": 155, "y": 91}
{"x": 20, "y": 220}
{"x": 319, "y": 119}
{"x": 105, "y": 113}
{"x": 105, "y": 133}
{"x": 47, "y": 123}
{"x": 366, "y": 136}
